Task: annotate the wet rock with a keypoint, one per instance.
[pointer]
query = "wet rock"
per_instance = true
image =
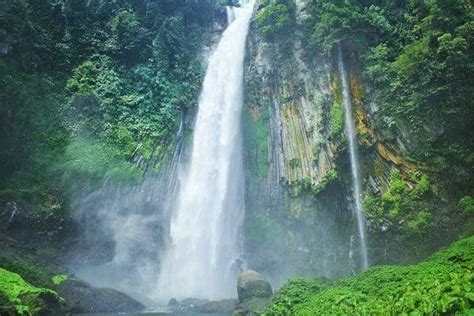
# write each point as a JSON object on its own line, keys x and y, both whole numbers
{"x": 81, "y": 298}
{"x": 39, "y": 229}
{"x": 221, "y": 306}
{"x": 6, "y": 44}
{"x": 252, "y": 285}
{"x": 254, "y": 306}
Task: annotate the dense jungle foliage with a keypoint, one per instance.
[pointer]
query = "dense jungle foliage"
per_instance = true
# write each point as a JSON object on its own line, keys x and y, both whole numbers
{"x": 441, "y": 285}
{"x": 87, "y": 88}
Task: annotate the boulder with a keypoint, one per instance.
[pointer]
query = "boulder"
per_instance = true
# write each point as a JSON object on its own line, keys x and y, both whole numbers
{"x": 255, "y": 306}
{"x": 82, "y": 298}
{"x": 218, "y": 307}
{"x": 252, "y": 285}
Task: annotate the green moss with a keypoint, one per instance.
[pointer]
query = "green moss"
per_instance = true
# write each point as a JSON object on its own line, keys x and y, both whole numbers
{"x": 92, "y": 161}
{"x": 25, "y": 298}
{"x": 337, "y": 119}
{"x": 467, "y": 204}
{"x": 442, "y": 284}
{"x": 336, "y": 116}
{"x": 422, "y": 186}
{"x": 294, "y": 163}
{"x": 31, "y": 273}
{"x": 255, "y": 130}
{"x": 60, "y": 278}
{"x": 330, "y": 177}
{"x": 421, "y": 220}
{"x": 307, "y": 184}
{"x": 405, "y": 202}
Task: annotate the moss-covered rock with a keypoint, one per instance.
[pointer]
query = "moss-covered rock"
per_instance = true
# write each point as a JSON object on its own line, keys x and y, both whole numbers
{"x": 254, "y": 306}
{"x": 252, "y": 285}
{"x": 82, "y": 298}
{"x": 19, "y": 297}
{"x": 221, "y": 306}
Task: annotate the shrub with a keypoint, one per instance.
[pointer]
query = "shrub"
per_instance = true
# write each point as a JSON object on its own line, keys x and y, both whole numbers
{"x": 467, "y": 204}
{"x": 276, "y": 19}
{"x": 441, "y": 284}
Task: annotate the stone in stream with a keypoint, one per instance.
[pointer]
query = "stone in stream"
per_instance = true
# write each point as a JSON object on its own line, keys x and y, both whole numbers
{"x": 221, "y": 306}
{"x": 254, "y": 293}
{"x": 173, "y": 302}
{"x": 252, "y": 285}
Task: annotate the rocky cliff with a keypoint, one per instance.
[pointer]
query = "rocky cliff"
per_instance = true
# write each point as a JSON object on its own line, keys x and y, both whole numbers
{"x": 299, "y": 206}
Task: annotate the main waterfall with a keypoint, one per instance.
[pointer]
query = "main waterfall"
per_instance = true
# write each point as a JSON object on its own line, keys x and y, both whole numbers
{"x": 205, "y": 245}
{"x": 354, "y": 159}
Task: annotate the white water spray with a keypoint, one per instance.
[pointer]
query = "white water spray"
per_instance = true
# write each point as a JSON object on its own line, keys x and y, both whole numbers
{"x": 353, "y": 153}
{"x": 209, "y": 208}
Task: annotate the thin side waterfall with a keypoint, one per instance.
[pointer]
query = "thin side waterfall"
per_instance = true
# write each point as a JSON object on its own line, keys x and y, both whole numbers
{"x": 203, "y": 258}
{"x": 354, "y": 159}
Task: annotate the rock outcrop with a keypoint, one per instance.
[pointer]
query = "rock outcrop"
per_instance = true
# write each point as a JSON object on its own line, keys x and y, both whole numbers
{"x": 81, "y": 298}
{"x": 252, "y": 285}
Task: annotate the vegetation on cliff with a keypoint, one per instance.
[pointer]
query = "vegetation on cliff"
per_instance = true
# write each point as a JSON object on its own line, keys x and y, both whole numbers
{"x": 418, "y": 56}
{"x": 89, "y": 89}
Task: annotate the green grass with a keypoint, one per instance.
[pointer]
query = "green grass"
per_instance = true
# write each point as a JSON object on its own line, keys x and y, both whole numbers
{"x": 440, "y": 285}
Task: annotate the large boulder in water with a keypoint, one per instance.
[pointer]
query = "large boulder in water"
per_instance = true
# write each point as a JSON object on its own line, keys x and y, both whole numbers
{"x": 252, "y": 285}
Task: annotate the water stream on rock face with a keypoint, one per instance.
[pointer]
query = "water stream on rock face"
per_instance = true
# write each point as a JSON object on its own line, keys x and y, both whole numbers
{"x": 354, "y": 159}
{"x": 203, "y": 256}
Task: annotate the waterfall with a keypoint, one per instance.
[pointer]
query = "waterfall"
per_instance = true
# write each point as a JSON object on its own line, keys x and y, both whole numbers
{"x": 354, "y": 159}
{"x": 202, "y": 259}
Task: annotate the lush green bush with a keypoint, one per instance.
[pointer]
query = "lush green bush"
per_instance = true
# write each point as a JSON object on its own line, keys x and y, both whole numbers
{"x": 277, "y": 20}
{"x": 17, "y": 296}
{"x": 29, "y": 272}
{"x": 294, "y": 292}
{"x": 440, "y": 285}
{"x": 336, "y": 115}
{"x": 337, "y": 119}
{"x": 467, "y": 204}
{"x": 88, "y": 162}
{"x": 345, "y": 23}
{"x": 400, "y": 203}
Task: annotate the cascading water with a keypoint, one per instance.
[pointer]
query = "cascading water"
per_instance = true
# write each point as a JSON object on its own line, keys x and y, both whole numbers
{"x": 205, "y": 246}
{"x": 353, "y": 155}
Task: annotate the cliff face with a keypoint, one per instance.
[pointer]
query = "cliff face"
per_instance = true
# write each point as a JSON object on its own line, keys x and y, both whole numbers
{"x": 299, "y": 194}
{"x": 297, "y": 214}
